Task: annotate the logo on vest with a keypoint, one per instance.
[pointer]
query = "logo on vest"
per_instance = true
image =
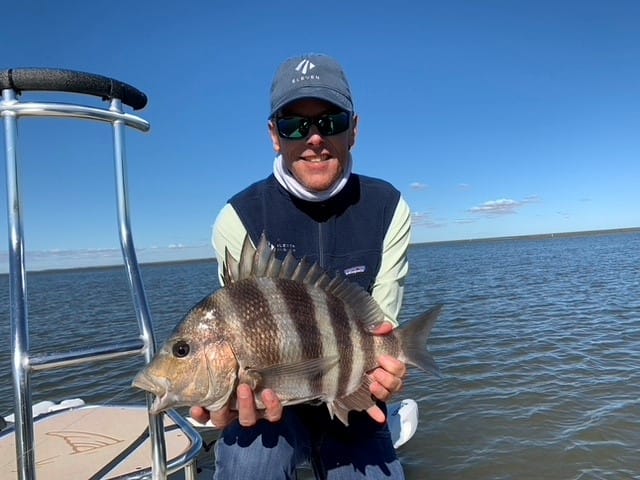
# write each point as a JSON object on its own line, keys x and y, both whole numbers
{"x": 354, "y": 270}
{"x": 284, "y": 247}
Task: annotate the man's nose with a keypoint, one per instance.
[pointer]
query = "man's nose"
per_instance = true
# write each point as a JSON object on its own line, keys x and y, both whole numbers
{"x": 314, "y": 137}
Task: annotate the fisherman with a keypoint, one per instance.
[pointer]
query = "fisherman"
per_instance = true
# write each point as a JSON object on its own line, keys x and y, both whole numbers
{"x": 316, "y": 207}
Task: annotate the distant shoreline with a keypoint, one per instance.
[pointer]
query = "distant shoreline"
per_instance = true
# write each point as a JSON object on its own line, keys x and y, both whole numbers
{"x": 541, "y": 236}
{"x": 143, "y": 265}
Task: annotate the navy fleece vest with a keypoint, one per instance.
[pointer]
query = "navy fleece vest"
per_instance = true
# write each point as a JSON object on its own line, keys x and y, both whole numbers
{"x": 343, "y": 234}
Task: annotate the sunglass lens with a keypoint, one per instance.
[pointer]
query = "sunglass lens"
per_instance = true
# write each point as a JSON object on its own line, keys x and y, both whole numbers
{"x": 293, "y": 127}
{"x": 298, "y": 127}
{"x": 333, "y": 124}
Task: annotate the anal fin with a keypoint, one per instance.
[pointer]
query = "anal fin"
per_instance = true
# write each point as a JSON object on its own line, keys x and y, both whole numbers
{"x": 358, "y": 400}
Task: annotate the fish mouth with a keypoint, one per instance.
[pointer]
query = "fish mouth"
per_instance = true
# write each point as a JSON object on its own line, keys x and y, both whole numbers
{"x": 157, "y": 387}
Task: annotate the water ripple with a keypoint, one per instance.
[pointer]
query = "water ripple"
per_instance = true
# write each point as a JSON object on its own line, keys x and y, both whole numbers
{"x": 537, "y": 343}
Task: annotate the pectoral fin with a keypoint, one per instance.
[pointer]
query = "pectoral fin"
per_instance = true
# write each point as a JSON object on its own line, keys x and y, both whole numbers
{"x": 289, "y": 380}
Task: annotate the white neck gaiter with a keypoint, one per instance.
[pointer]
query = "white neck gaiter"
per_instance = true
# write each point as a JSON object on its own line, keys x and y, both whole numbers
{"x": 291, "y": 184}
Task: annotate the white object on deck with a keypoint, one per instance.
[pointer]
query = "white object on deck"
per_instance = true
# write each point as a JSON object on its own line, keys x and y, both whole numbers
{"x": 403, "y": 421}
{"x": 47, "y": 406}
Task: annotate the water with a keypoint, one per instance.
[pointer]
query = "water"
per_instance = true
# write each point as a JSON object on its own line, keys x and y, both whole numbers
{"x": 539, "y": 345}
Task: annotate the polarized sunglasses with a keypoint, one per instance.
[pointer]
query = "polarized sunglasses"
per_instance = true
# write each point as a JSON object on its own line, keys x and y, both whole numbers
{"x": 296, "y": 128}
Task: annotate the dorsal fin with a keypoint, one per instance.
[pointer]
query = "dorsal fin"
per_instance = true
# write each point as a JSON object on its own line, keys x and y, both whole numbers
{"x": 262, "y": 262}
{"x": 253, "y": 262}
{"x": 230, "y": 268}
{"x": 246, "y": 259}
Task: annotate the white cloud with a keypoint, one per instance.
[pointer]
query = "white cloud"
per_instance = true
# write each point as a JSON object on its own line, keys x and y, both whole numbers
{"x": 532, "y": 199}
{"x": 424, "y": 219}
{"x": 502, "y": 206}
{"x": 419, "y": 186}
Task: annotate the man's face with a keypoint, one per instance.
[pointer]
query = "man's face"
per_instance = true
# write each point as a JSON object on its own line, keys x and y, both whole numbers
{"x": 316, "y": 160}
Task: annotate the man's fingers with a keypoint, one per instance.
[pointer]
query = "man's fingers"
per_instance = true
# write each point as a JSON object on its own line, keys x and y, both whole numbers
{"x": 199, "y": 414}
{"x": 386, "y": 380}
{"x": 247, "y": 414}
{"x": 392, "y": 365}
{"x": 376, "y": 414}
{"x": 384, "y": 329}
{"x": 223, "y": 417}
{"x": 272, "y": 406}
{"x": 379, "y": 392}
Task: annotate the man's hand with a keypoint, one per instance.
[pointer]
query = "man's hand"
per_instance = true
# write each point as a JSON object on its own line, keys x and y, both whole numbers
{"x": 386, "y": 379}
{"x": 247, "y": 414}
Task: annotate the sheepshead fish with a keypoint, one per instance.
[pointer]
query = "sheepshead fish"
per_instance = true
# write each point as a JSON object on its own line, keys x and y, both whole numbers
{"x": 284, "y": 325}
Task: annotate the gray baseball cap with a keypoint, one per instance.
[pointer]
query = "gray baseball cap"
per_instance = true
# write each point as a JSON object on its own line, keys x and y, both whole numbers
{"x": 310, "y": 76}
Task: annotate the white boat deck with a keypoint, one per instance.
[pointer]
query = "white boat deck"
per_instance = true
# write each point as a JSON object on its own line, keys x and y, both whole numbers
{"x": 92, "y": 442}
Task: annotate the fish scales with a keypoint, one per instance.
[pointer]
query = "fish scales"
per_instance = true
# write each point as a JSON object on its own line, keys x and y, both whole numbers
{"x": 298, "y": 322}
{"x": 275, "y": 322}
{"x": 284, "y": 325}
{"x": 332, "y": 323}
{"x": 344, "y": 331}
{"x": 322, "y": 327}
{"x": 362, "y": 352}
{"x": 322, "y": 383}
{"x": 302, "y": 315}
{"x": 316, "y": 332}
{"x": 252, "y": 324}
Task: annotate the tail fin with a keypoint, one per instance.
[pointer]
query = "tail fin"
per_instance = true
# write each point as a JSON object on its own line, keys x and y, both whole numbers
{"x": 413, "y": 336}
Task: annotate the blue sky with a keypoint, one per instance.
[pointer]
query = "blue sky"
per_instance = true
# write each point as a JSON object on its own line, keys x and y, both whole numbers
{"x": 494, "y": 118}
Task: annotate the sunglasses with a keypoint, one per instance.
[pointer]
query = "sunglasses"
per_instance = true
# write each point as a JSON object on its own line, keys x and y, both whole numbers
{"x": 296, "y": 128}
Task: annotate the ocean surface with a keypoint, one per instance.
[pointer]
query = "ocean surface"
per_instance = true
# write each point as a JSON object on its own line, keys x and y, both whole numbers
{"x": 538, "y": 343}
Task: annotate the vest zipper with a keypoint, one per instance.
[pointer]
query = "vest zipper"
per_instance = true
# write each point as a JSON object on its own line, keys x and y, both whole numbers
{"x": 320, "y": 246}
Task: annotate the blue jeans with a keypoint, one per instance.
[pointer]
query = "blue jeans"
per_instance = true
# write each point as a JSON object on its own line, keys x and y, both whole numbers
{"x": 269, "y": 451}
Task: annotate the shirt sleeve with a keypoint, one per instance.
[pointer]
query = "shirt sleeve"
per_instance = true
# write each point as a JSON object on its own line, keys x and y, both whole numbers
{"x": 388, "y": 287}
{"x": 228, "y": 233}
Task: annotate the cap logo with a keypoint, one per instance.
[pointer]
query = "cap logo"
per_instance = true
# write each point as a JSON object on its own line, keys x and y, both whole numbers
{"x": 310, "y": 76}
{"x": 305, "y": 66}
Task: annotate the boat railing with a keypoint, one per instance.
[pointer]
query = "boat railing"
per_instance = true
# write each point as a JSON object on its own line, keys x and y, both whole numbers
{"x": 12, "y": 83}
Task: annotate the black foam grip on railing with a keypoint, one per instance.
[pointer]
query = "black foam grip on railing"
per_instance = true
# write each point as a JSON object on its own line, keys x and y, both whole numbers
{"x": 57, "y": 80}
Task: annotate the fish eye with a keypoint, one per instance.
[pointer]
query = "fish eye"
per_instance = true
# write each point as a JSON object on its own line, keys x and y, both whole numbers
{"x": 180, "y": 349}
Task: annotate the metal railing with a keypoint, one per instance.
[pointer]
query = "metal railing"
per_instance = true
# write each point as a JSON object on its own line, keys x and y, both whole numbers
{"x": 12, "y": 83}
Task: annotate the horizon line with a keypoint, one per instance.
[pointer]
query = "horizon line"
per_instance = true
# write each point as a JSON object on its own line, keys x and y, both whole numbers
{"x": 109, "y": 262}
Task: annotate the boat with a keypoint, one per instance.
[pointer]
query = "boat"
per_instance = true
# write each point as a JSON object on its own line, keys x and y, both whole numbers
{"x": 85, "y": 441}
{"x": 71, "y": 439}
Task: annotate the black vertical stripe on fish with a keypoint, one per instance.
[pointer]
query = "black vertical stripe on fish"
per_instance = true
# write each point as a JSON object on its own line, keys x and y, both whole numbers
{"x": 252, "y": 307}
{"x": 301, "y": 309}
{"x": 367, "y": 348}
{"x": 330, "y": 346}
{"x": 342, "y": 329}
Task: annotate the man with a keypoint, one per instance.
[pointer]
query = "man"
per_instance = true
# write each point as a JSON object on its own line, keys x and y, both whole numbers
{"x": 316, "y": 207}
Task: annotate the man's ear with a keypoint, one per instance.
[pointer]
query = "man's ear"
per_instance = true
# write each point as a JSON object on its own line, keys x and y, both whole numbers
{"x": 353, "y": 132}
{"x": 275, "y": 138}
